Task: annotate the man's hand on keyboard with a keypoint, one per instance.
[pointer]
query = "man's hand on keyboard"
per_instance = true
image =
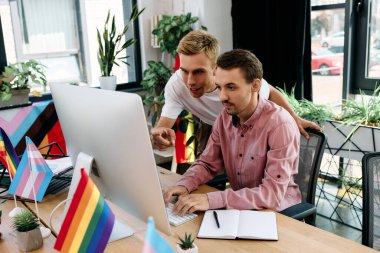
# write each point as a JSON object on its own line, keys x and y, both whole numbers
{"x": 190, "y": 203}
{"x": 177, "y": 190}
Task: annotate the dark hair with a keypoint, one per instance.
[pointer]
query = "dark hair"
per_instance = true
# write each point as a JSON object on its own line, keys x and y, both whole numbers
{"x": 243, "y": 59}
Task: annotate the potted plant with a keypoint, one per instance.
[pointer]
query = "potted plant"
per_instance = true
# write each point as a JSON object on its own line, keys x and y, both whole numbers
{"x": 357, "y": 129}
{"x": 171, "y": 29}
{"x": 27, "y": 231}
{"x": 186, "y": 244}
{"x": 110, "y": 46}
{"x": 155, "y": 78}
{"x": 307, "y": 109}
{"x": 15, "y": 81}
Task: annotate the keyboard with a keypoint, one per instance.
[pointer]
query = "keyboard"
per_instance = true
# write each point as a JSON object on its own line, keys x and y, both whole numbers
{"x": 175, "y": 219}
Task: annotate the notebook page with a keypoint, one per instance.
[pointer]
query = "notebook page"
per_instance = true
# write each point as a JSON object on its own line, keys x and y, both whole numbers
{"x": 257, "y": 225}
{"x": 228, "y": 221}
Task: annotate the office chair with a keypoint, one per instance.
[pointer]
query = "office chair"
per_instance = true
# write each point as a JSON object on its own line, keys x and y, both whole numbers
{"x": 371, "y": 200}
{"x": 311, "y": 153}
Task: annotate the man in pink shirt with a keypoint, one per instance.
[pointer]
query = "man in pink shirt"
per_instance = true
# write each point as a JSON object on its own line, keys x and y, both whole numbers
{"x": 256, "y": 141}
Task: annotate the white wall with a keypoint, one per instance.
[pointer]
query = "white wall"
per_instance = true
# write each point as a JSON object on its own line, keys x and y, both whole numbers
{"x": 214, "y": 14}
{"x": 9, "y": 40}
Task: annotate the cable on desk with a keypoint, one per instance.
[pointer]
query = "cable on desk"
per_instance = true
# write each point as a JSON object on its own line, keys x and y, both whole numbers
{"x": 52, "y": 213}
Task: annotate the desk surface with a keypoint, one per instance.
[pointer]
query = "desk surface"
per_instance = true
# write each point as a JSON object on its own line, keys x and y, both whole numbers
{"x": 294, "y": 236}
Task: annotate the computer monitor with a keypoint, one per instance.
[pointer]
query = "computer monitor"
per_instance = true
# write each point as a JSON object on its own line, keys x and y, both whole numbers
{"x": 111, "y": 127}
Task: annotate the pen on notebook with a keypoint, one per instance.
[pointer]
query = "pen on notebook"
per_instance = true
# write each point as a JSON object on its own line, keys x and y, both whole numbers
{"x": 216, "y": 219}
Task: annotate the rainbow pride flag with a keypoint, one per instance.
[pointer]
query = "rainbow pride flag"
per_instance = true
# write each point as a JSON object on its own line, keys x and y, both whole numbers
{"x": 8, "y": 156}
{"x": 185, "y": 152}
{"x": 33, "y": 175}
{"x": 154, "y": 242}
{"x": 89, "y": 221}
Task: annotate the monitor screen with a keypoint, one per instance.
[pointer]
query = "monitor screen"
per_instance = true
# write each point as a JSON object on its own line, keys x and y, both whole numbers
{"x": 111, "y": 127}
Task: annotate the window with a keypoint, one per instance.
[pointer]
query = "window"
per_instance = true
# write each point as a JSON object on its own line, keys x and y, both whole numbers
{"x": 327, "y": 36}
{"x": 366, "y": 29}
{"x": 47, "y": 30}
{"x": 62, "y": 35}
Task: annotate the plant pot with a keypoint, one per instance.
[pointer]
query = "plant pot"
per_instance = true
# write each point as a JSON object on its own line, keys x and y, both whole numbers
{"x": 107, "y": 82}
{"x": 28, "y": 241}
{"x": 364, "y": 139}
{"x": 19, "y": 97}
{"x": 192, "y": 250}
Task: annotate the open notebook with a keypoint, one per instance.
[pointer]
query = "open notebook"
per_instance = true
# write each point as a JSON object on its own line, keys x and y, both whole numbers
{"x": 239, "y": 224}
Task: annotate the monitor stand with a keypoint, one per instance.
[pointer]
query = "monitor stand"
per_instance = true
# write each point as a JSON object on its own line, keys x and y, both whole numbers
{"x": 120, "y": 231}
{"x": 85, "y": 161}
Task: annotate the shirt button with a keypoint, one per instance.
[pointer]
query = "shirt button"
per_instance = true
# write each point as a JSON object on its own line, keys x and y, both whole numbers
{"x": 242, "y": 135}
{"x": 240, "y": 155}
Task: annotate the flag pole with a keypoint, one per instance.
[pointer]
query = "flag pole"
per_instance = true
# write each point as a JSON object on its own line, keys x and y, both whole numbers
{"x": 17, "y": 209}
{"x": 44, "y": 231}
{"x": 11, "y": 177}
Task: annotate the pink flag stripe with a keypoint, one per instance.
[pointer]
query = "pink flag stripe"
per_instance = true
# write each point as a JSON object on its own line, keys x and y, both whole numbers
{"x": 28, "y": 187}
{"x": 39, "y": 178}
{"x": 147, "y": 248}
{"x": 23, "y": 181}
{"x": 11, "y": 126}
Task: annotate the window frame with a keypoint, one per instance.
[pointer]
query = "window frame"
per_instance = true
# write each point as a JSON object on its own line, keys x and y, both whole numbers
{"x": 3, "y": 55}
{"x": 346, "y": 52}
{"x": 359, "y": 81}
{"x": 78, "y": 53}
{"x": 134, "y": 51}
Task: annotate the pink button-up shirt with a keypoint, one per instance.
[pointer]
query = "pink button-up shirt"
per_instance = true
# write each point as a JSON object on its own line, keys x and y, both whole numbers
{"x": 260, "y": 158}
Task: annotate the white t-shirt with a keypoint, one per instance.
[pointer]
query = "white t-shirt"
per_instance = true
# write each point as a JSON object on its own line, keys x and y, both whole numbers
{"x": 206, "y": 108}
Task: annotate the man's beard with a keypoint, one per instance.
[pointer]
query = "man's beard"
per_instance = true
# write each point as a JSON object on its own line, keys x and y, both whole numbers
{"x": 229, "y": 110}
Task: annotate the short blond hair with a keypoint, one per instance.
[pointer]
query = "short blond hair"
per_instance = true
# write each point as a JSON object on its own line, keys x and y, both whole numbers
{"x": 199, "y": 41}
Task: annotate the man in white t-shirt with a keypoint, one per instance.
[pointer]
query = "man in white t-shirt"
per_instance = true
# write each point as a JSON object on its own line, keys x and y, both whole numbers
{"x": 193, "y": 88}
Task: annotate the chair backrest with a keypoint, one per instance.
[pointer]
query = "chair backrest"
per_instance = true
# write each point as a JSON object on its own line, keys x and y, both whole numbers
{"x": 371, "y": 200}
{"x": 311, "y": 153}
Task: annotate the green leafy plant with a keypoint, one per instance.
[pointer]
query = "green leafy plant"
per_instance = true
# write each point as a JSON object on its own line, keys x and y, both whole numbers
{"x": 186, "y": 242}
{"x": 171, "y": 29}
{"x": 155, "y": 78}
{"x": 25, "y": 221}
{"x": 110, "y": 42}
{"x": 365, "y": 112}
{"x": 18, "y": 76}
{"x": 307, "y": 109}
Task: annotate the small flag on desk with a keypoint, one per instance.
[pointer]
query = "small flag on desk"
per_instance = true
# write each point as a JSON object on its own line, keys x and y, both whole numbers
{"x": 33, "y": 175}
{"x": 89, "y": 221}
{"x": 154, "y": 242}
{"x": 8, "y": 156}
{"x": 184, "y": 142}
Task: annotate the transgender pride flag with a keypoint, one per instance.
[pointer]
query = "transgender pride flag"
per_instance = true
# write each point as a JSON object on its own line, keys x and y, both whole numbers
{"x": 33, "y": 175}
{"x": 89, "y": 221}
{"x": 154, "y": 242}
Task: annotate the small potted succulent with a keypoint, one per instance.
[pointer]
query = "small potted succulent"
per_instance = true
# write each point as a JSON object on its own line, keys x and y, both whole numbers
{"x": 186, "y": 244}
{"x": 27, "y": 230}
